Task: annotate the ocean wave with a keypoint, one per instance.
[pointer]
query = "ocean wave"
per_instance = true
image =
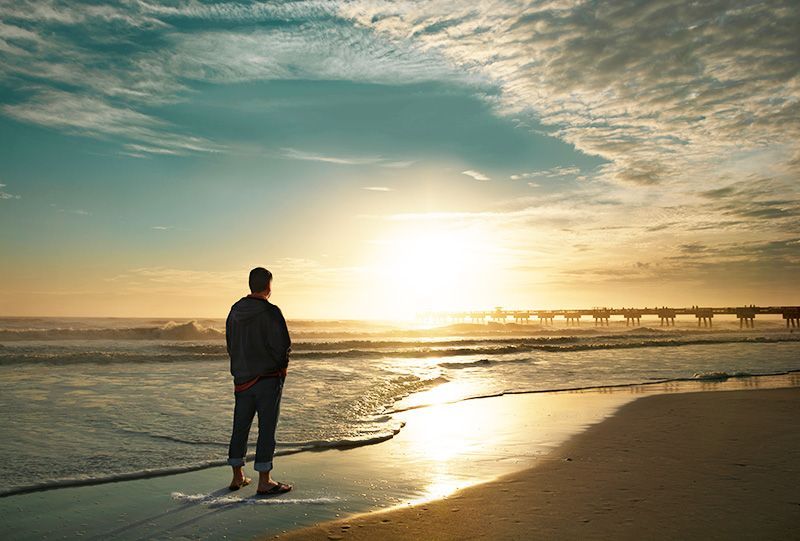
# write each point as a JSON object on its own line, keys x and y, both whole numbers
{"x": 191, "y": 330}
{"x": 217, "y": 353}
{"x": 715, "y": 376}
{"x": 217, "y": 500}
{"x": 102, "y": 357}
{"x": 112, "y": 478}
{"x": 531, "y": 346}
{"x": 174, "y": 439}
{"x": 358, "y": 336}
{"x": 482, "y": 362}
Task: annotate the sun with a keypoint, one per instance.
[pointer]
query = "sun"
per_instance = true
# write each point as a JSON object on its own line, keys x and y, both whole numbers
{"x": 429, "y": 268}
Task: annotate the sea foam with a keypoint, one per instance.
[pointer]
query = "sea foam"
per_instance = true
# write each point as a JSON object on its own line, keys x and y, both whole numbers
{"x": 216, "y": 500}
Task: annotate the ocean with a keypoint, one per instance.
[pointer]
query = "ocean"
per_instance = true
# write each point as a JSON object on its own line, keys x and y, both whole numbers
{"x": 90, "y": 399}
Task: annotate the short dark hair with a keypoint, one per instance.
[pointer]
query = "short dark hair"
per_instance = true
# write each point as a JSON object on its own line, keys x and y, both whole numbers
{"x": 259, "y": 279}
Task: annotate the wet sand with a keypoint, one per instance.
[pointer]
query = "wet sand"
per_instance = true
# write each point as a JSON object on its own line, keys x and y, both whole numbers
{"x": 708, "y": 465}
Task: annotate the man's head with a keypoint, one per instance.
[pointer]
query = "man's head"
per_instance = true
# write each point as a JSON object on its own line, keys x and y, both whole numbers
{"x": 260, "y": 280}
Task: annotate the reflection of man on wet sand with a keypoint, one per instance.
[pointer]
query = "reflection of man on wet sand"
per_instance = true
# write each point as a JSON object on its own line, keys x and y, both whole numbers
{"x": 258, "y": 344}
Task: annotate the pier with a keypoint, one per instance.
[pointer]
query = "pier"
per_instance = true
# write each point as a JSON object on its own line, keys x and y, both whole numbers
{"x": 601, "y": 316}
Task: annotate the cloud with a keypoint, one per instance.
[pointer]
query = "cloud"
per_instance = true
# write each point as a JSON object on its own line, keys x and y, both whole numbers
{"x": 93, "y": 116}
{"x": 398, "y": 164}
{"x": 120, "y": 61}
{"x": 477, "y": 175}
{"x": 378, "y": 189}
{"x": 79, "y": 212}
{"x": 666, "y": 91}
{"x": 707, "y": 268}
{"x": 162, "y": 227}
{"x": 6, "y": 195}
{"x": 553, "y": 173}
{"x": 295, "y": 154}
{"x": 329, "y": 50}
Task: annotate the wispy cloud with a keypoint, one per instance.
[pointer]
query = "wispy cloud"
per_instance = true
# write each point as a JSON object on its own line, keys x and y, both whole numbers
{"x": 162, "y": 227}
{"x": 377, "y": 188}
{"x": 295, "y": 154}
{"x": 665, "y": 92}
{"x": 105, "y": 93}
{"x": 79, "y": 212}
{"x": 553, "y": 173}
{"x": 93, "y": 116}
{"x": 5, "y": 195}
{"x": 477, "y": 175}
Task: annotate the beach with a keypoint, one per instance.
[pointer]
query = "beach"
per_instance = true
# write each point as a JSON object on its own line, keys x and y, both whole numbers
{"x": 709, "y": 465}
{"x": 120, "y": 427}
{"x": 475, "y": 456}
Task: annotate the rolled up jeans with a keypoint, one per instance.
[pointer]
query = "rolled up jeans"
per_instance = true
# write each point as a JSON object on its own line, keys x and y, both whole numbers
{"x": 263, "y": 398}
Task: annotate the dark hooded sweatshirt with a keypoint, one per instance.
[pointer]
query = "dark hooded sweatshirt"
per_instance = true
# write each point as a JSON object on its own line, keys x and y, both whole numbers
{"x": 257, "y": 338}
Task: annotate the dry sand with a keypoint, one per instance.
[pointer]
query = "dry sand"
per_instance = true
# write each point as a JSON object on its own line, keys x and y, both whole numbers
{"x": 714, "y": 465}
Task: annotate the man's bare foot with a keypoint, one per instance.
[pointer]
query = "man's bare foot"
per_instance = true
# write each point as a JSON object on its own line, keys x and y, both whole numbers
{"x": 265, "y": 481}
{"x": 239, "y": 480}
{"x": 267, "y": 486}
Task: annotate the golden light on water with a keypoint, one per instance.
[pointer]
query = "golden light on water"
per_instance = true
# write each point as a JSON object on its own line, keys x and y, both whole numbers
{"x": 445, "y": 438}
{"x": 458, "y": 444}
{"x": 438, "y": 436}
{"x": 450, "y": 391}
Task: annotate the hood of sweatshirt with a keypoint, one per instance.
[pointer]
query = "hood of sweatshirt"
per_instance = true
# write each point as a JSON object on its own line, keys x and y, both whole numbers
{"x": 248, "y": 308}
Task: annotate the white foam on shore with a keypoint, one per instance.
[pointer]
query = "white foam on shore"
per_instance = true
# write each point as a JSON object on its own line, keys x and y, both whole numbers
{"x": 213, "y": 500}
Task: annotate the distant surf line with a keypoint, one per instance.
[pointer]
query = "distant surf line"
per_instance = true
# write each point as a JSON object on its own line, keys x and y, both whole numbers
{"x": 412, "y": 351}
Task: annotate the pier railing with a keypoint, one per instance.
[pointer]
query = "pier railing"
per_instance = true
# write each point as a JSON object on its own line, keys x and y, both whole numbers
{"x": 632, "y": 316}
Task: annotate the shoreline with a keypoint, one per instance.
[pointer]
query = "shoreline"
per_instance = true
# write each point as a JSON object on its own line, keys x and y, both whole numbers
{"x": 713, "y": 378}
{"x": 665, "y": 466}
{"x": 444, "y": 448}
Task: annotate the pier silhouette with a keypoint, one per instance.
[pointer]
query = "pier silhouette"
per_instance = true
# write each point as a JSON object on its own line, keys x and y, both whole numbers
{"x": 632, "y": 316}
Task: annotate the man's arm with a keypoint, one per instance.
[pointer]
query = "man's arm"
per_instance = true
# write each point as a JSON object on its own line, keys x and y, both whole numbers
{"x": 278, "y": 339}
{"x": 228, "y": 334}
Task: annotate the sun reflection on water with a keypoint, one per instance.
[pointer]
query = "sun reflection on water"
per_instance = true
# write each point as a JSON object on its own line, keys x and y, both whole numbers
{"x": 448, "y": 441}
{"x": 451, "y": 391}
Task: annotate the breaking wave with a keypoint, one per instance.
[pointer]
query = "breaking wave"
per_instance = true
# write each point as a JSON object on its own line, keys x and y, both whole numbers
{"x": 215, "y": 500}
{"x": 101, "y": 357}
{"x": 196, "y": 352}
{"x": 171, "y": 330}
{"x": 482, "y": 362}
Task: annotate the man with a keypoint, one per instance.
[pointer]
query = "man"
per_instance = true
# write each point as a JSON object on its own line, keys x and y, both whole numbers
{"x": 258, "y": 345}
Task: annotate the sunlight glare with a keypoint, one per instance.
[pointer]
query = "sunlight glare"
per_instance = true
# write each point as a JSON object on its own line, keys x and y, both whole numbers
{"x": 430, "y": 268}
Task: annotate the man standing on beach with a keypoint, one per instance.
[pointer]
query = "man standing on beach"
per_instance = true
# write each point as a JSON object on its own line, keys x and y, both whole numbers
{"x": 259, "y": 345}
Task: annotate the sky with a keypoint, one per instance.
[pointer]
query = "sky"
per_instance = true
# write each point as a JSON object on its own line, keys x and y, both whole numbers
{"x": 388, "y": 158}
